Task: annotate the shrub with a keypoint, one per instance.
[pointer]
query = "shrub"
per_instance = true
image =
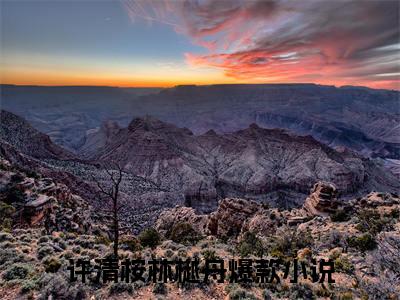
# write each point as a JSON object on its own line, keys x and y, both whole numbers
{"x": 85, "y": 241}
{"x": 183, "y": 233}
{"x": 121, "y": 287}
{"x": 14, "y": 195}
{"x": 170, "y": 245}
{"x": 92, "y": 254}
{"x": 28, "y": 285}
{"x": 6, "y": 237}
{"x": 287, "y": 242}
{"x": 241, "y": 294}
{"x": 51, "y": 264}
{"x": 203, "y": 244}
{"x": 17, "y": 271}
{"x": 25, "y": 238}
{"x": 394, "y": 213}
{"x": 6, "y": 224}
{"x": 76, "y": 249}
{"x": 102, "y": 240}
{"x": 16, "y": 178}
{"x": 266, "y": 295}
{"x": 4, "y": 166}
{"x": 57, "y": 286}
{"x": 6, "y": 245}
{"x": 45, "y": 251}
{"x": 363, "y": 243}
{"x": 322, "y": 291}
{"x": 340, "y": 215}
{"x": 343, "y": 265}
{"x": 336, "y": 239}
{"x": 6, "y": 211}
{"x": 67, "y": 254}
{"x": 250, "y": 244}
{"x": 371, "y": 221}
{"x": 160, "y": 288}
{"x": 43, "y": 239}
{"x": 10, "y": 256}
{"x": 301, "y": 291}
{"x": 168, "y": 253}
{"x": 345, "y": 296}
{"x": 149, "y": 238}
{"x": 182, "y": 252}
{"x": 209, "y": 254}
{"x": 131, "y": 244}
{"x": 31, "y": 173}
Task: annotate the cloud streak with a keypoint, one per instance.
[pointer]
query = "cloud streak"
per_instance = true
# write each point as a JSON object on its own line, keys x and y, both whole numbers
{"x": 331, "y": 42}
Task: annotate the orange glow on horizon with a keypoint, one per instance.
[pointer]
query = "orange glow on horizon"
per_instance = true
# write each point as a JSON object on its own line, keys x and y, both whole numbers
{"x": 45, "y": 78}
{"x": 165, "y": 79}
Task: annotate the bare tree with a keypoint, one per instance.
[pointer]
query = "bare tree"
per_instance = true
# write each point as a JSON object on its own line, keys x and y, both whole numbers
{"x": 111, "y": 192}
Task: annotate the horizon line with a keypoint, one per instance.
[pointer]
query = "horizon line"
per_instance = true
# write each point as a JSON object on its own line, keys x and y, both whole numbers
{"x": 197, "y": 85}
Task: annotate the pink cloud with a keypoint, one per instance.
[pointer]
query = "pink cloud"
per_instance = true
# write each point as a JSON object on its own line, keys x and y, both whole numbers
{"x": 336, "y": 42}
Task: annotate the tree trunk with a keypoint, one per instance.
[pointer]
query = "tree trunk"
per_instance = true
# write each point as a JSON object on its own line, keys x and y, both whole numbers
{"x": 116, "y": 228}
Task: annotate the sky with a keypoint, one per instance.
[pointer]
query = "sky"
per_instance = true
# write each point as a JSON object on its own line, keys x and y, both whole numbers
{"x": 167, "y": 43}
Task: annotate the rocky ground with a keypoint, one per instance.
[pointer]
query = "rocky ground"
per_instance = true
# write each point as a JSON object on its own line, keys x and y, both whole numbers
{"x": 361, "y": 236}
{"x": 51, "y": 212}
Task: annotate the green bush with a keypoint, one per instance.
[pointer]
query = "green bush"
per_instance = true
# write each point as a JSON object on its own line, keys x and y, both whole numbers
{"x": 6, "y": 224}
{"x": 363, "y": 243}
{"x": 371, "y": 221}
{"x": 102, "y": 240}
{"x": 345, "y": 296}
{"x": 17, "y": 271}
{"x": 131, "y": 244}
{"x": 6, "y": 212}
{"x": 51, "y": 264}
{"x": 250, "y": 244}
{"x": 149, "y": 238}
{"x": 340, "y": 215}
{"x": 288, "y": 242}
{"x": 209, "y": 254}
{"x": 343, "y": 265}
{"x": 183, "y": 233}
{"x": 28, "y": 285}
{"x": 10, "y": 256}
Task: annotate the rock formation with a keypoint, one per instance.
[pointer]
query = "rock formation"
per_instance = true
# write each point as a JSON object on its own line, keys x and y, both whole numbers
{"x": 322, "y": 200}
{"x": 20, "y": 134}
{"x": 331, "y": 115}
{"x": 228, "y": 219}
{"x": 267, "y": 165}
{"x": 180, "y": 214}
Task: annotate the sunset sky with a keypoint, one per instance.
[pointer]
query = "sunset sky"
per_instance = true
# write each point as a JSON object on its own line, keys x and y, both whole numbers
{"x": 166, "y": 43}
